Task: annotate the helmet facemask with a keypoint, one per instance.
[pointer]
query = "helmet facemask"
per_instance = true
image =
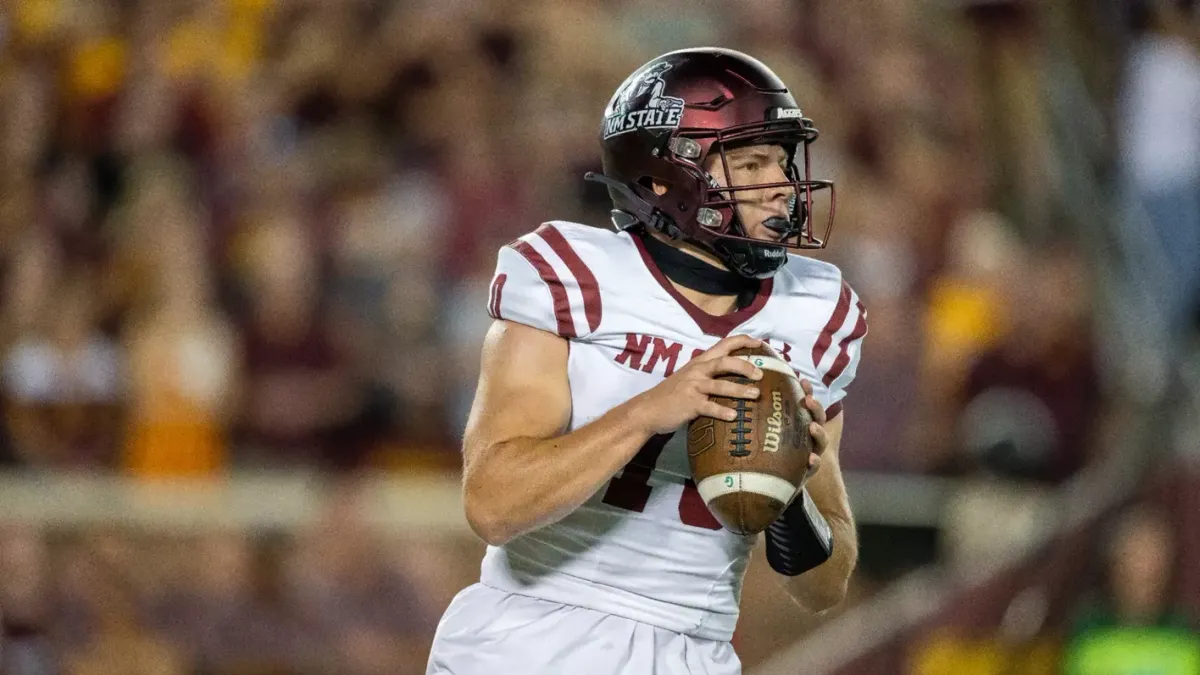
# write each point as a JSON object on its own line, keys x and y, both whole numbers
{"x": 720, "y": 227}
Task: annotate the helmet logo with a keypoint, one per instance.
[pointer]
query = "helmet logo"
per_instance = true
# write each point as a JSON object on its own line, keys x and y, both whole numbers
{"x": 786, "y": 114}
{"x": 640, "y": 103}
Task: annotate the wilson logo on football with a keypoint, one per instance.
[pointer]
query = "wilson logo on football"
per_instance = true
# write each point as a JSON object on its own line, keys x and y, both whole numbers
{"x": 774, "y": 423}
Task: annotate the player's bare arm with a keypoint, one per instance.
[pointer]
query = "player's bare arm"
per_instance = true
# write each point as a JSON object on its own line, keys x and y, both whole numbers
{"x": 824, "y": 586}
{"x": 522, "y": 472}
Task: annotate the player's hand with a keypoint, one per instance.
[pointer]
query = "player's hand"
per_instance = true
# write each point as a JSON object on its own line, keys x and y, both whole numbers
{"x": 816, "y": 429}
{"x": 684, "y": 395}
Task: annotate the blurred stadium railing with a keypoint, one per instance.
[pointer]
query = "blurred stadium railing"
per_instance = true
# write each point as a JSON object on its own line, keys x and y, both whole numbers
{"x": 271, "y": 501}
{"x": 281, "y": 500}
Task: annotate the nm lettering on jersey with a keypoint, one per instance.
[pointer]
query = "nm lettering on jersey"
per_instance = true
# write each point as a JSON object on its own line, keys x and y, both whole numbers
{"x": 648, "y": 353}
{"x": 658, "y": 354}
{"x": 645, "y": 547}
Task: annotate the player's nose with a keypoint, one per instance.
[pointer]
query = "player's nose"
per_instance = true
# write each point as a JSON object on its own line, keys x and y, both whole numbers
{"x": 781, "y": 192}
{"x": 779, "y": 201}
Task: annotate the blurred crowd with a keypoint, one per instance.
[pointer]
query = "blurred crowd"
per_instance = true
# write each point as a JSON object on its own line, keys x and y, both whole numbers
{"x": 259, "y": 233}
{"x": 247, "y": 232}
{"x": 1159, "y": 160}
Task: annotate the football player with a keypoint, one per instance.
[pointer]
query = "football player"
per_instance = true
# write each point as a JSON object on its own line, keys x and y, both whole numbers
{"x": 602, "y": 556}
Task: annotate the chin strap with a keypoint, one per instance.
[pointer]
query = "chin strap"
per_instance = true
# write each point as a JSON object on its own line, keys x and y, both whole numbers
{"x": 738, "y": 255}
{"x": 639, "y": 211}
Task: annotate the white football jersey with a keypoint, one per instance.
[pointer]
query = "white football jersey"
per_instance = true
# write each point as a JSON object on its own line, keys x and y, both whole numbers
{"x": 645, "y": 546}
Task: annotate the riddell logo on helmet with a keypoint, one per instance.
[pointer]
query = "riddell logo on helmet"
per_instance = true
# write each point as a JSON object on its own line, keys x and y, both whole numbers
{"x": 641, "y": 104}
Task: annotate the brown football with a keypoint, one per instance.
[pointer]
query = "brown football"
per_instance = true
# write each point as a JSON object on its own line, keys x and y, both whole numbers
{"x": 748, "y": 470}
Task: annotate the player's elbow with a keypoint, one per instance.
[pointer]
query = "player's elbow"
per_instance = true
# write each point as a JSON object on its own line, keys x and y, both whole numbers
{"x": 818, "y": 598}
{"x": 486, "y": 519}
{"x": 827, "y": 598}
{"x": 487, "y": 526}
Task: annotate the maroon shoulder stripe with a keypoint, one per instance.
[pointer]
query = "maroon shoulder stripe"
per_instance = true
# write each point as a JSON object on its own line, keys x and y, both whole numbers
{"x": 497, "y": 292}
{"x": 835, "y": 322}
{"x": 588, "y": 286}
{"x": 562, "y": 307}
{"x": 843, "y": 357}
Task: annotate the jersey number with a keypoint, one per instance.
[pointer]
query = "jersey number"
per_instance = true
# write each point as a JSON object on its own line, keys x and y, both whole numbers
{"x": 631, "y": 490}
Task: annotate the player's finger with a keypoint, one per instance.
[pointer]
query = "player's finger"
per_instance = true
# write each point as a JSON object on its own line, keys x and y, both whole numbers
{"x": 729, "y": 389}
{"x": 806, "y": 386}
{"x": 820, "y": 439}
{"x": 814, "y": 465}
{"x": 718, "y": 411}
{"x": 729, "y": 345}
{"x": 732, "y": 365}
{"x": 817, "y": 410}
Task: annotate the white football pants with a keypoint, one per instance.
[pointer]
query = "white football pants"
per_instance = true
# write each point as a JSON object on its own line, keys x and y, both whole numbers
{"x": 486, "y": 631}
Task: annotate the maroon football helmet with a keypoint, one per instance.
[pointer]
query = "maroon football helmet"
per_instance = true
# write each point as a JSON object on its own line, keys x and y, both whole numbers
{"x": 661, "y": 126}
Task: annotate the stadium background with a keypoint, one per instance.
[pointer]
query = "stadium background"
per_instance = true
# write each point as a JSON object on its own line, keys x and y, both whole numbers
{"x": 244, "y": 255}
